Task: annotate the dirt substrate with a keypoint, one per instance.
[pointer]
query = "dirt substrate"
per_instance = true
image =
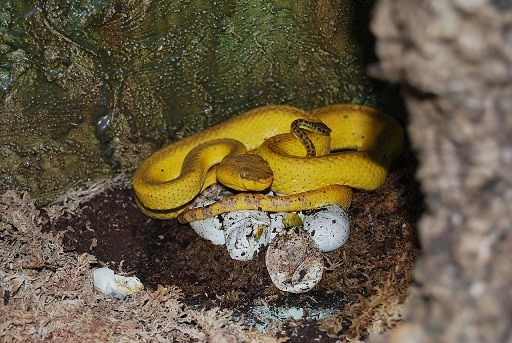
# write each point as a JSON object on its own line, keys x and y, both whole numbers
{"x": 362, "y": 291}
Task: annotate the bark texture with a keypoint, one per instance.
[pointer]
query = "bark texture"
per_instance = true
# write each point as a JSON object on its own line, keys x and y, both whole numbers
{"x": 454, "y": 60}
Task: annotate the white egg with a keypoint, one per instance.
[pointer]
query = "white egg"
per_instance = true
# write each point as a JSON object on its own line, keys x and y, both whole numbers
{"x": 328, "y": 226}
{"x": 210, "y": 229}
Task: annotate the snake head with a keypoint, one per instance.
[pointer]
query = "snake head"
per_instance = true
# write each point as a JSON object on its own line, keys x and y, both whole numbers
{"x": 246, "y": 172}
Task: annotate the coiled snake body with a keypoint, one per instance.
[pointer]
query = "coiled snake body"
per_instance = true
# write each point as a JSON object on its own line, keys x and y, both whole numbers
{"x": 167, "y": 181}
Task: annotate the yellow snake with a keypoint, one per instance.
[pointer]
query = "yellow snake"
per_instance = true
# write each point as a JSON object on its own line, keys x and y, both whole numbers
{"x": 168, "y": 180}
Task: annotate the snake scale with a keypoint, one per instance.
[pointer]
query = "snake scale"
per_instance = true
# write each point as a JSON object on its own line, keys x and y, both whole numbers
{"x": 368, "y": 142}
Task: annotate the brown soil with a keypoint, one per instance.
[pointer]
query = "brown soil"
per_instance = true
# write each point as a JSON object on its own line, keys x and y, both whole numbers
{"x": 362, "y": 291}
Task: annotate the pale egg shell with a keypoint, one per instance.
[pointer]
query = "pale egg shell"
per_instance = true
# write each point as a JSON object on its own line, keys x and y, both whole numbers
{"x": 294, "y": 261}
{"x": 245, "y": 233}
{"x": 108, "y": 282}
{"x": 209, "y": 229}
{"x": 277, "y": 223}
{"x": 328, "y": 226}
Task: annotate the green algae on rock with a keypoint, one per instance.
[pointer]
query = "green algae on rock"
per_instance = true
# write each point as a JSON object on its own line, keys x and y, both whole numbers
{"x": 90, "y": 88}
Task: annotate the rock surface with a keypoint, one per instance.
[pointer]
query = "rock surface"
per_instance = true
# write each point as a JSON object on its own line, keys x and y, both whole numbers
{"x": 91, "y": 88}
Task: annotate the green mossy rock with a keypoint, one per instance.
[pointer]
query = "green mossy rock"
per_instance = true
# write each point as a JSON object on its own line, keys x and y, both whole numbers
{"x": 91, "y": 88}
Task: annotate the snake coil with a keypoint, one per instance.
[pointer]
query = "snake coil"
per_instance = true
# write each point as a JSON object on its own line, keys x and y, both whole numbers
{"x": 368, "y": 142}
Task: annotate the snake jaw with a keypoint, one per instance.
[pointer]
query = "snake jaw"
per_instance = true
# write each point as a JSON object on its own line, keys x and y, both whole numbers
{"x": 258, "y": 185}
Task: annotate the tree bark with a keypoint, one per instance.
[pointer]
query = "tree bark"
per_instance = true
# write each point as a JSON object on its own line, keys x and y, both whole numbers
{"x": 453, "y": 59}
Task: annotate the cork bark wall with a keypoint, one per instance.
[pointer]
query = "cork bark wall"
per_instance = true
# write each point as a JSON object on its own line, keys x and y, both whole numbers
{"x": 453, "y": 59}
